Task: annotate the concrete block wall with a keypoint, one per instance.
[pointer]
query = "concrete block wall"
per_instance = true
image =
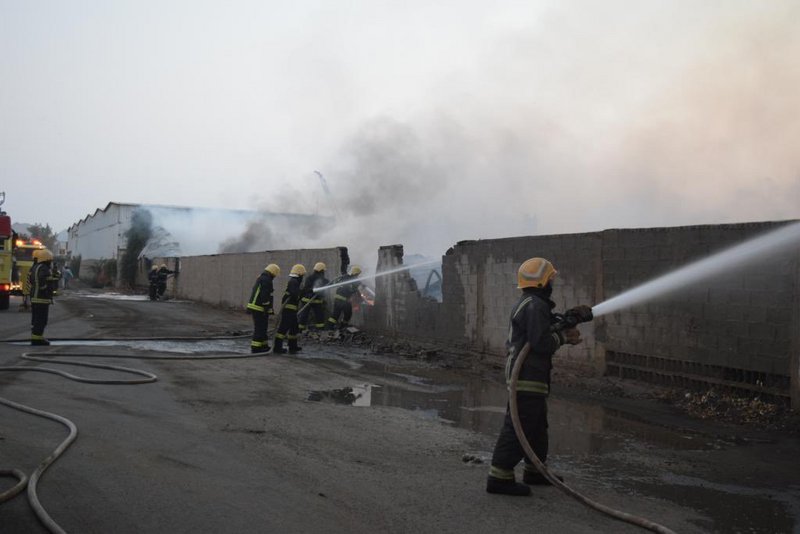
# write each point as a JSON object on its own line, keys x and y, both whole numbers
{"x": 735, "y": 327}
{"x": 739, "y": 329}
{"x": 227, "y": 279}
{"x": 400, "y": 307}
{"x": 480, "y": 284}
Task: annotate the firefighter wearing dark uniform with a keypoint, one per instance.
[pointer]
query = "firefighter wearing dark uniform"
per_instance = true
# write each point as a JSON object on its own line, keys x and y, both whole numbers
{"x": 532, "y": 321}
{"x": 287, "y": 325}
{"x": 260, "y": 307}
{"x": 311, "y": 302}
{"x": 163, "y": 274}
{"x": 342, "y": 307}
{"x": 43, "y": 282}
{"x": 152, "y": 278}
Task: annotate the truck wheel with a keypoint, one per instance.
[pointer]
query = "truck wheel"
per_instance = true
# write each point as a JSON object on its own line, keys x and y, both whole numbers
{"x": 4, "y": 299}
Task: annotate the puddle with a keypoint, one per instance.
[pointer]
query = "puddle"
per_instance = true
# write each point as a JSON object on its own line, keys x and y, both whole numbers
{"x": 479, "y": 405}
{"x": 732, "y": 508}
{"x": 236, "y": 346}
{"x": 111, "y": 295}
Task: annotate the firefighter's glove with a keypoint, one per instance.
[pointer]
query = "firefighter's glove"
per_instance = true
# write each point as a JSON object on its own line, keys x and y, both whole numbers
{"x": 583, "y": 313}
{"x": 572, "y": 336}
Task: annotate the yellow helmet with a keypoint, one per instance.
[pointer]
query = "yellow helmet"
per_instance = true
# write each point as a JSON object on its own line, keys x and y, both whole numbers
{"x": 298, "y": 270}
{"x": 535, "y": 272}
{"x": 154, "y": 268}
{"x": 42, "y": 255}
{"x": 319, "y": 266}
{"x": 355, "y": 270}
{"x": 273, "y": 269}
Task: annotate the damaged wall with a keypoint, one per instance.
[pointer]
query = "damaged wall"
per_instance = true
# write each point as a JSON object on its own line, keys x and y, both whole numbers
{"x": 227, "y": 279}
{"x": 738, "y": 330}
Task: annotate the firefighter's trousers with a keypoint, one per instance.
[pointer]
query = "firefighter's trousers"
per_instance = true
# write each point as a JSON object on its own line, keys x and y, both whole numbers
{"x": 341, "y": 308}
{"x": 315, "y": 307}
{"x": 39, "y": 315}
{"x": 260, "y": 323}
{"x": 287, "y": 328}
{"x": 533, "y": 416}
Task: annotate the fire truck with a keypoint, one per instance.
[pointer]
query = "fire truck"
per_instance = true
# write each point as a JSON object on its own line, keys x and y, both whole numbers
{"x": 6, "y": 256}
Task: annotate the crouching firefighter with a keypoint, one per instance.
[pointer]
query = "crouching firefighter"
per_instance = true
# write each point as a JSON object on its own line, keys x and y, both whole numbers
{"x": 43, "y": 282}
{"x": 532, "y": 321}
{"x": 260, "y": 307}
{"x": 313, "y": 302}
{"x": 342, "y": 307}
{"x": 287, "y": 323}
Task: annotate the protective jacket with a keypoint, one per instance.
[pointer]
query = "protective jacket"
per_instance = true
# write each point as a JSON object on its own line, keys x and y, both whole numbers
{"x": 314, "y": 280}
{"x": 291, "y": 297}
{"x": 531, "y": 322}
{"x": 43, "y": 281}
{"x": 261, "y": 295}
{"x": 163, "y": 273}
{"x": 345, "y": 291}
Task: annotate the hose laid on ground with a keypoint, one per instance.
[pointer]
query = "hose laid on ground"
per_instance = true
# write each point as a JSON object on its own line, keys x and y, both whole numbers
{"x": 31, "y": 483}
{"x": 616, "y": 514}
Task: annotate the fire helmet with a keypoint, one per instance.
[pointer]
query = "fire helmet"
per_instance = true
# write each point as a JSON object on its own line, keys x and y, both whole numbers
{"x": 154, "y": 268}
{"x": 319, "y": 266}
{"x": 535, "y": 272}
{"x": 355, "y": 270}
{"x": 298, "y": 270}
{"x": 273, "y": 269}
{"x": 42, "y": 255}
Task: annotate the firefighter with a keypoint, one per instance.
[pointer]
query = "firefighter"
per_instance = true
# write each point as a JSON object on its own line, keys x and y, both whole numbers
{"x": 260, "y": 307}
{"x": 43, "y": 282}
{"x": 342, "y": 307}
{"x": 313, "y": 302}
{"x": 287, "y": 325}
{"x": 161, "y": 280}
{"x": 532, "y": 321}
{"x": 152, "y": 277}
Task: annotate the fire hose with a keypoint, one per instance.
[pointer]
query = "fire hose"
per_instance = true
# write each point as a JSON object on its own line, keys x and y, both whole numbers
{"x": 31, "y": 483}
{"x": 514, "y": 409}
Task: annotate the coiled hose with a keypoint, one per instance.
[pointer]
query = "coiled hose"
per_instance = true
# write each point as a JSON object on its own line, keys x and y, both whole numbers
{"x": 22, "y": 479}
{"x": 616, "y": 514}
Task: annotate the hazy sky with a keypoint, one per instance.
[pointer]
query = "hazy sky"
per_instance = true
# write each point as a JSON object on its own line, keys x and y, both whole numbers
{"x": 432, "y": 121}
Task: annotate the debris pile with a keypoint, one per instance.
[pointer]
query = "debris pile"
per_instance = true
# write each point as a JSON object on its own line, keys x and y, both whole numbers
{"x": 739, "y": 410}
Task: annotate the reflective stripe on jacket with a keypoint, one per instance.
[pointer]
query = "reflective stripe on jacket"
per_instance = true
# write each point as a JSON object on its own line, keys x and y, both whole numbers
{"x": 531, "y": 322}
{"x": 261, "y": 295}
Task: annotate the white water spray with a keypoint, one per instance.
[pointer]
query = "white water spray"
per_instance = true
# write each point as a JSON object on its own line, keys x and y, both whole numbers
{"x": 376, "y": 275}
{"x": 726, "y": 260}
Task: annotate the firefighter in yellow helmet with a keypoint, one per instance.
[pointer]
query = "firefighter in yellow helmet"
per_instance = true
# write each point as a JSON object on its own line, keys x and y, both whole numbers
{"x": 287, "y": 323}
{"x": 260, "y": 307}
{"x": 313, "y": 302}
{"x": 533, "y": 322}
{"x": 342, "y": 306}
{"x": 43, "y": 282}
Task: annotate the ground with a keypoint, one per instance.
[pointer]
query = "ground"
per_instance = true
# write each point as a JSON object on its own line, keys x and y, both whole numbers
{"x": 358, "y": 435}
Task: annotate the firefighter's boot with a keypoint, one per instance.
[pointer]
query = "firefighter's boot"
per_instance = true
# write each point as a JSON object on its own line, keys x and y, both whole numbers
{"x": 504, "y": 486}
{"x": 532, "y": 477}
{"x": 293, "y": 348}
{"x": 278, "y": 348}
{"x": 39, "y": 341}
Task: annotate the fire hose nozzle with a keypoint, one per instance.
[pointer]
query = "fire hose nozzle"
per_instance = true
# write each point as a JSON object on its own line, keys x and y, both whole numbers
{"x": 573, "y": 317}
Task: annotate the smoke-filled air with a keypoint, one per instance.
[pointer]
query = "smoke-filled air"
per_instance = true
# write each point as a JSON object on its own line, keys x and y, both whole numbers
{"x": 416, "y": 123}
